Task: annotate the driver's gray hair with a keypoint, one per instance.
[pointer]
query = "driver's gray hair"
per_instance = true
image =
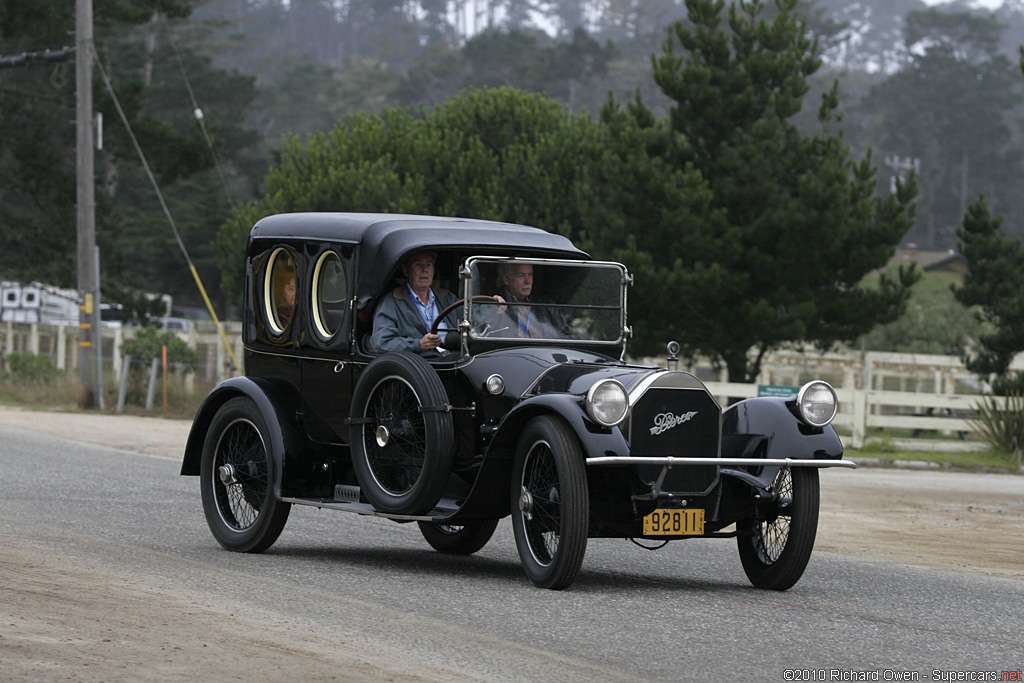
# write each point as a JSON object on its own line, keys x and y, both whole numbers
{"x": 408, "y": 259}
{"x": 506, "y": 268}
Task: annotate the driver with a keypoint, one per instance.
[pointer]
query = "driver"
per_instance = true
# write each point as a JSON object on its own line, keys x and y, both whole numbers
{"x": 404, "y": 317}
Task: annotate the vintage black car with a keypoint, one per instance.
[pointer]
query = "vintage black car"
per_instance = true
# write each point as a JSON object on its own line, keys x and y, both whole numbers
{"x": 563, "y": 434}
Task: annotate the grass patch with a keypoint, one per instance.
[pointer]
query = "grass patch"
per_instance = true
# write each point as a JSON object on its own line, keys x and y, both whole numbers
{"x": 61, "y": 395}
{"x": 970, "y": 460}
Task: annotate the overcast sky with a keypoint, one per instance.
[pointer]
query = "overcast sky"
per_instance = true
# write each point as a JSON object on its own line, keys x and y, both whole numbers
{"x": 992, "y": 4}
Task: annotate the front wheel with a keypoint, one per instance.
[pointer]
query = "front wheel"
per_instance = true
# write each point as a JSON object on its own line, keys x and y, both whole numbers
{"x": 236, "y": 479}
{"x": 458, "y": 539}
{"x": 778, "y": 546}
{"x": 550, "y": 503}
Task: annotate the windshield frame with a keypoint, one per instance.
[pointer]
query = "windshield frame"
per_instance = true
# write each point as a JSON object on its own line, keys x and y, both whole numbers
{"x": 468, "y": 276}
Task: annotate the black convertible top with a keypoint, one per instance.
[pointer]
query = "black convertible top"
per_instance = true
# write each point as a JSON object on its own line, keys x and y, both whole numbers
{"x": 385, "y": 239}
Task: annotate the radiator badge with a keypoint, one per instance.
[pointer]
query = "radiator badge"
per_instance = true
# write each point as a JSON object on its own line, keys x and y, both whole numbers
{"x": 666, "y": 421}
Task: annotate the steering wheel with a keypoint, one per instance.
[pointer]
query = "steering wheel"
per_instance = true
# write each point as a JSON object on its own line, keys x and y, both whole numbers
{"x": 455, "y": 304}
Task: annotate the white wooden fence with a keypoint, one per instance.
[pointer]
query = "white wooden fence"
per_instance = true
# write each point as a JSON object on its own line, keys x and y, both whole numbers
{"x": 60, "y": 342}
{"x": 920, "y": 394}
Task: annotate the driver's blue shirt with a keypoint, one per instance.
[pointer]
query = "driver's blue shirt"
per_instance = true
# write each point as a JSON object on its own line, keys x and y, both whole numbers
{"x": 401, "y": 320}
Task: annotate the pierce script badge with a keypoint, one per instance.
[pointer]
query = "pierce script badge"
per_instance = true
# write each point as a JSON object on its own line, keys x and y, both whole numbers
{"x": 666, "y": 421}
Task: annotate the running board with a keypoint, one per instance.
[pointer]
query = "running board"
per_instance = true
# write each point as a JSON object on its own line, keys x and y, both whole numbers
{"x": 445, "y": 508}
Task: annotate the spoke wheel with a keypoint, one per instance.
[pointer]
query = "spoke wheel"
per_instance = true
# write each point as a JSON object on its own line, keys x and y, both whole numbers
{"x": 402, "y": 436}
{"x": 236, "y": 478}
{"x": 550, "y": 503}
{"x": 781, "y": 536}
{"x": 464, "y": 539}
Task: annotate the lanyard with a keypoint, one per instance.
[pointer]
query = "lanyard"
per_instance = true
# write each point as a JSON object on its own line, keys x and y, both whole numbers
{"x": 519, "y": 321}
{"x": 427, "y": 310}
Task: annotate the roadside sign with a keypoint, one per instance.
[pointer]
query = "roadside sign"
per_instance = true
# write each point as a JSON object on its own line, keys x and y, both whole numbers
{"x": 776, "y": 390}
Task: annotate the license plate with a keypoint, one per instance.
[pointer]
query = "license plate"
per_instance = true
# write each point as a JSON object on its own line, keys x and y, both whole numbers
{"x": 674, "y": 522}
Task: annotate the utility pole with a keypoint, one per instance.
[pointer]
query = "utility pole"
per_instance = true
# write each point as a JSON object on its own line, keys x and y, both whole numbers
{"x": 88, "y": 312}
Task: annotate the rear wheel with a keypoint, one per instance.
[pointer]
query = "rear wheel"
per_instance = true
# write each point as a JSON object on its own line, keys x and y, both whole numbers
{"x": 458, "y": 539}
{"x": 781, "y": 536}
{"x": 550, "y": 503}
{"x": 236, "y": 479}
{"x": 401, "y": 435}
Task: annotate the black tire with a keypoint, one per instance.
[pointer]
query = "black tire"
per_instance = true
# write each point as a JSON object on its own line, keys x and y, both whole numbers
{"x": 779, "y": 546}
{"x": 550, "y": 503}
{"x": 236, "y": 479}
{"x": 464, "y": 539}
{"x": 401, "y": 434}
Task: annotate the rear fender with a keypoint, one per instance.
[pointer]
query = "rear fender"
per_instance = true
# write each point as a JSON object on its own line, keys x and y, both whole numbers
{"x": 285, "y": 438}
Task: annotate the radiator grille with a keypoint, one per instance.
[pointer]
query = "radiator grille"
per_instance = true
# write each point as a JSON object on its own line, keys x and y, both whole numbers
{"x": 683, "y": 423}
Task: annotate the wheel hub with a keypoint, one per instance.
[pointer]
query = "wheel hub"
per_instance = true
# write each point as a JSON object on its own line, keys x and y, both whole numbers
{"x": 382, "y": 436}
{"x": 526, "y": 504}
{"x": 227, "y": 475}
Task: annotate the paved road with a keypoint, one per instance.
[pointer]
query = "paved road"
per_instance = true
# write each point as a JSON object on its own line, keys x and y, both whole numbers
{"x": 682, "y": 613}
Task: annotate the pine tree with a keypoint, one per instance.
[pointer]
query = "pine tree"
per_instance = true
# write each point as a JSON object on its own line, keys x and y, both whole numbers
{"x": 793, "y": 224}
{"x": 994, "y": 283}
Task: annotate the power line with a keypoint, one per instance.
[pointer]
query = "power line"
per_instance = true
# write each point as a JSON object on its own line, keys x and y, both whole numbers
{"x": 167, "y": 211}
{"x": 197, "y": 111}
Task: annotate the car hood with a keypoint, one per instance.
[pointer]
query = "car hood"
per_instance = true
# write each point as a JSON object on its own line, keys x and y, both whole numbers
{"x": 532, "y": 371}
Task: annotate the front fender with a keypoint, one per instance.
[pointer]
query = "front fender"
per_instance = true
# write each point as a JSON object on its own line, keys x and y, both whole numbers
{"x": 594, "y": 439}
{"x": 285, "y": 438}
{"x": 786, "y": 435}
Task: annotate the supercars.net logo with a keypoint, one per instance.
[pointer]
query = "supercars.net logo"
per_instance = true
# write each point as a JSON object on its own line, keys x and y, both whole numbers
{"x": 666, "y": 421}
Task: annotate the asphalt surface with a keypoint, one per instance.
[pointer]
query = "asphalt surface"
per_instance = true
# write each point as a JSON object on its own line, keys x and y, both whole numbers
{"x": 685, "y": 612}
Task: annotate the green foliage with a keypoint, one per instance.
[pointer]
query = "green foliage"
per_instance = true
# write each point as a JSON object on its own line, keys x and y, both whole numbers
{"x": 312, "y": 98}
{"x": 497, "y": 154}
{"x": 567, "y": 71}
{"x": 27, "y": 368}
{"x": 149, "y": 342}
{"x": 713, "y": 208}
{"x": 953, "y": 108}
{"x": 995, "y": 284}
{"x": 792, "y": 225}
{"x": 37, "y": 160}
{"x": 1000, "y": 422}
{"x": 934, "y": 322}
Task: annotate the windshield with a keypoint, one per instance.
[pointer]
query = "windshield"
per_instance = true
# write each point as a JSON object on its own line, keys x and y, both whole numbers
{"x": 547, "y": 300}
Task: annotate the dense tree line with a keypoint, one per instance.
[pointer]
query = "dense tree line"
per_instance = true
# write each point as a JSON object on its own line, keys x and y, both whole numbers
{"x": 37, "y": 148}
{"x": 714, "y": 207}
{"x": 264, "y": 70}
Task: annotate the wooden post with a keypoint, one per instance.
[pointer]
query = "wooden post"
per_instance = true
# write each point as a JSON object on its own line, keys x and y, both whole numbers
{"x": 860, "y": 416}
{"x": 163, "y": 355}
{"x": 61, "y": 348}
{"x": 88, "y": 316}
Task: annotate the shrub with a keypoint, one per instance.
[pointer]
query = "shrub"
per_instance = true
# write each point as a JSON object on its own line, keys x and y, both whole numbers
{"x": 1000, "y": 423}
{"x": 149, "y": 342}
{"x": 27, "y": 368}
{"x": 146, "y": 346}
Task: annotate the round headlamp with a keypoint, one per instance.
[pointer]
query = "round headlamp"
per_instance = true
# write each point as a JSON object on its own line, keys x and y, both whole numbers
{"x": 607, "y": 402}
{"x": 817, "y": 403}
{"x": 495, "y": 384}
